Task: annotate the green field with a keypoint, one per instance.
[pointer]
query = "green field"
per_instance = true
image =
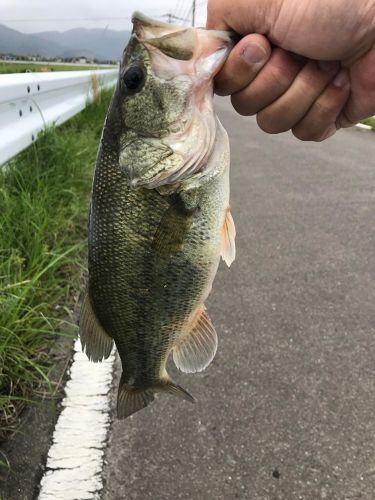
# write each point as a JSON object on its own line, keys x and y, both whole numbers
{"x": 9, "y": 67}
{"x": 44, "y": 197}
{"x": 370, "y": 121}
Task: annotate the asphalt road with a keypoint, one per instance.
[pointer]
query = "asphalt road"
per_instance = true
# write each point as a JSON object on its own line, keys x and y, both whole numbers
{"x": 287, "y": 408}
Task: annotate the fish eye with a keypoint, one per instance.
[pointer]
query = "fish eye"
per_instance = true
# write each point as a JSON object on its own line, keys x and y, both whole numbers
{"x": 133, "y": 78}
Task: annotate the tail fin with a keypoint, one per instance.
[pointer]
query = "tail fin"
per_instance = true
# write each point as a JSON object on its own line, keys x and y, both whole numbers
{"x": 130, "y": 400}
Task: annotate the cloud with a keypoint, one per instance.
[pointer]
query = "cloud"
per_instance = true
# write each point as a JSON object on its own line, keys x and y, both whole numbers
{"x": 31, "y": 16}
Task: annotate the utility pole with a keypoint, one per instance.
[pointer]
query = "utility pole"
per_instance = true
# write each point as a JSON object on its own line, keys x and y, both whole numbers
{"x": 169, "y": 17}
{"x": 193, "y": 13}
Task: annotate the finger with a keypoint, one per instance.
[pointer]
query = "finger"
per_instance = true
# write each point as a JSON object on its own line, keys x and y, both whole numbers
{"x": 291, "y": 107}
{"x": 361, "y": 103}
{"x": 320, "y": 121}
{"x": 243, "y": 64}
{"x": 275, "y": 77}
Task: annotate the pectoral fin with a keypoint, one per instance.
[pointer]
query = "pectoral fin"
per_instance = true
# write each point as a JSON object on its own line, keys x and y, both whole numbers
{"x": 96, "y": 343}
{"x": 228, "y": 236}
{"x": 169, "y": 236}
{"x": 195, "y": 350}
{"x": 174, "y": 226}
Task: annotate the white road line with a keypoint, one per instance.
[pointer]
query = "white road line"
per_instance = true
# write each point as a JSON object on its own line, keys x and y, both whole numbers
{"x": 363, "y": 126}
{"x": 75, "y": 459}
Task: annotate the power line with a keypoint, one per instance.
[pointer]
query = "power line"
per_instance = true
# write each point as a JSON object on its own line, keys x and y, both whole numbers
{"x": 63, "y": 19}
{"x": 178, "y": 9}
{"x": 184, "y": 18}
{"x": 183, "y": 10}
{"x": 199, "y": 8}
{"x": 171, "y": 16}
{"x": 187, "y": 15}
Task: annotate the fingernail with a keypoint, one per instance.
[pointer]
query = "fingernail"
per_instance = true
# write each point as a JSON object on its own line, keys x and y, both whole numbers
{"x": 329, "y": 66}
{"x": 342, "y": 79}
{"x": 253, "y": 53}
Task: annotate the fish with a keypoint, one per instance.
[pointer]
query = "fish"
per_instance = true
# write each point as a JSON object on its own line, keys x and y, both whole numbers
{"x": 160, "y": 217}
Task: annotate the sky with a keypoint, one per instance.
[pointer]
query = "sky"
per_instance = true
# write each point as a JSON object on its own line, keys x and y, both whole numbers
{"x": 33, "y": 16}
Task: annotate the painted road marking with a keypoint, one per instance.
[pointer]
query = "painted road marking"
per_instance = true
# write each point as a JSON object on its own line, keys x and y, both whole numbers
{"x": 75, "y": 459}
{"x": 363, "y": 126}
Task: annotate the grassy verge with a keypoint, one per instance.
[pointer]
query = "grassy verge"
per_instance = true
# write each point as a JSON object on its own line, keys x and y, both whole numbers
{"x": 9, "y": 67}
{"x": 44, "y": 195}
{"x": 370, "y": 121}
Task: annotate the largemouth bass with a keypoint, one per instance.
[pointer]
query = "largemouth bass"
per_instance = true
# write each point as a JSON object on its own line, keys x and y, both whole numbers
{"x": 159, "y": 217}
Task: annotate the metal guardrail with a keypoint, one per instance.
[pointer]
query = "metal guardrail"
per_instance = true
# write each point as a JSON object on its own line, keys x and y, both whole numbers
{"x": 29, "y": 102}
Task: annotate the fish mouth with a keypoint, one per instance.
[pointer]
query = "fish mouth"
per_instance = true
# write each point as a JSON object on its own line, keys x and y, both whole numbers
{"x": 198, "y": 50}
{"x": 146, "y": 27}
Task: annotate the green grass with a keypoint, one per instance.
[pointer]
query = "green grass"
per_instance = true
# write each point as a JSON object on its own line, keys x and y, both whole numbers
{"x": 9, "y": 67}
{"x": 370, "y": 121}
{"x": 44, "y": 196}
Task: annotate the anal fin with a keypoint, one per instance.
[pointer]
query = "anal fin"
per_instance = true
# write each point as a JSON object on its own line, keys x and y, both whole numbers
{"x": 176, "y": 390}
{"x": 228, "y": 237}
{"x": 194, "y": 351}
{"x": 96, "y": 343}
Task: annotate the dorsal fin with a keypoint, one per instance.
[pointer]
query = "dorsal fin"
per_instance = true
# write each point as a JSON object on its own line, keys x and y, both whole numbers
{"x": 96, "y": 343}
{"x": 194, "y": 351}
{"x": 228, "y": 237}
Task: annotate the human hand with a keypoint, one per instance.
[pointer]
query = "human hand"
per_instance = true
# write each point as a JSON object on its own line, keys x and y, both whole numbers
{"x": 319, "y": 74}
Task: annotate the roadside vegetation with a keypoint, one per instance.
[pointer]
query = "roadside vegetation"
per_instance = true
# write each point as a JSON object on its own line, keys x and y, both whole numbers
{"x": 370, "y": 122}
{"x": 44, "y": 197}
{"x": 9, "y": 67}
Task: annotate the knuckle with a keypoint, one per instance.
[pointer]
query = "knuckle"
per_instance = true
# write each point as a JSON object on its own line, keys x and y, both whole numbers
{"x": 308, "y": 82}
{"x": 241, "y": 105}
{"x": 222, "y": 84}
{"x": 281, "y": 75}
{"x": 325, "y": 108}
{"x": 269, "y": 123}
{"x": 329, "y": 132}
{"x": 319, "y": 121}
{"x": 286, "y": 66}
{"x": 221, "y": 91}
{"x": 343, "y": 121}
{"x": 303, "y": 134}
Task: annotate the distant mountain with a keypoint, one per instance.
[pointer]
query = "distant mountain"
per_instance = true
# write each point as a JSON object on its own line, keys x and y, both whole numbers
{"x": 102, "y": 44}
{"x": 14, "y": 42}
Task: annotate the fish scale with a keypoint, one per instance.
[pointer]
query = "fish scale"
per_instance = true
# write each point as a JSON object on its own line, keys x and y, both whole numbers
{"x": 155, "y": 244}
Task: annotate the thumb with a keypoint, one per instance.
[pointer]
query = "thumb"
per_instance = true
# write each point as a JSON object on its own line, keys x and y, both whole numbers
{"x": 242, "y": 16}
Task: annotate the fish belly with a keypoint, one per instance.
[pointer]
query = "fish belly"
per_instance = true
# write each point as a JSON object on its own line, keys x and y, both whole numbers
{"x": 143, "y": 296}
